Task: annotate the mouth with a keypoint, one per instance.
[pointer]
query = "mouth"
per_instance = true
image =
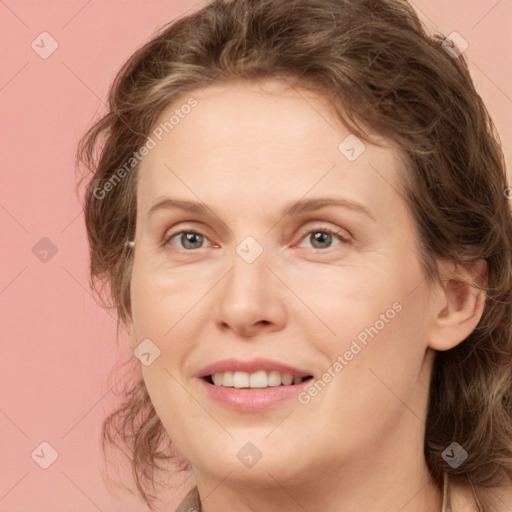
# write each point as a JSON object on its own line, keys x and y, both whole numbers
{"x": 252, "y": 385}
{"x": 257, "y": 380}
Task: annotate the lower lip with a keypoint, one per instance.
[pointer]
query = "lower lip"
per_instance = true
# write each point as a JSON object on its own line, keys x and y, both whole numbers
{"x": 252, "y": 399}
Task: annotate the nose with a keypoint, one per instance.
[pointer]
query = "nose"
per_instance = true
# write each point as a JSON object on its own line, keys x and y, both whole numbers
{"x": 251, "y": 299}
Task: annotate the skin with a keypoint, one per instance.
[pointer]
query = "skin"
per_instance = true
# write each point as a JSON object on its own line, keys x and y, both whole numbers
{"x": 246, "y": 151}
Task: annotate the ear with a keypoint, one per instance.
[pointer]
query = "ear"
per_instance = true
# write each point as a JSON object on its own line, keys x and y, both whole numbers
{"x": 461, "y": 304}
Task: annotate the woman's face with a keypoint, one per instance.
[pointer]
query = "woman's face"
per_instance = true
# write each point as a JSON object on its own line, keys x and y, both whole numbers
{"x": 293, "y": 252}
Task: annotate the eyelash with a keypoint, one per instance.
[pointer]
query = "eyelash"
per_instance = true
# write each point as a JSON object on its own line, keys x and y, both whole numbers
{"x": 344, "y": 240}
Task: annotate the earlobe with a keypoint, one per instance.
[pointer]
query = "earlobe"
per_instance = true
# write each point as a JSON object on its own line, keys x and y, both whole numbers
{"x": 461, "y": 307}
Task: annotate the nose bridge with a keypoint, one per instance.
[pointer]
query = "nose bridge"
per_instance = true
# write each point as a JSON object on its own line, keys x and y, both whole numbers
{"x": 248, "y": 297}
{"x": 248, "y": 280}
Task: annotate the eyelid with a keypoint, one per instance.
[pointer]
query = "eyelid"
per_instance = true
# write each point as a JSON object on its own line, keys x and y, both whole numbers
{"x": 185, "y": 225}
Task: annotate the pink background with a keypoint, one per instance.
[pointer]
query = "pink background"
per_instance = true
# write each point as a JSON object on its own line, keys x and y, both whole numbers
{"x": 57, "y": 345}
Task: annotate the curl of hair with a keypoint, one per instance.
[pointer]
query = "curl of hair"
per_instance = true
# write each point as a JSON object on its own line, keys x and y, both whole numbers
{"x": 376, "y": 63}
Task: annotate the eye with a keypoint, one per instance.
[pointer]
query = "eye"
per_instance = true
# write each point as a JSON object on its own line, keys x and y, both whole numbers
{"x": 189, "y": 240}
{"x": 322, "y": 238}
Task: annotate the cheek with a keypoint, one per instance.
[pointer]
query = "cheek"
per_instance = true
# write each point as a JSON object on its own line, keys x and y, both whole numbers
{"x": 163, "y": 300}
{"x": 376, "y": 315}
{"x": 161, "y": 308}
{"x": 390, "y": 348}
{"x": 380, "y": 336}
{"x": 342, "y": 301}
{"x": 182, "y": 418}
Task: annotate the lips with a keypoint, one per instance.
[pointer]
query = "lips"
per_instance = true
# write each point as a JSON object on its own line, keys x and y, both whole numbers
{"x": 251, "y": 386}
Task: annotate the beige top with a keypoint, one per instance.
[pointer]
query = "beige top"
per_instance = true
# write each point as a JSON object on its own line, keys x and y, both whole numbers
{"x": 455, "y": 499}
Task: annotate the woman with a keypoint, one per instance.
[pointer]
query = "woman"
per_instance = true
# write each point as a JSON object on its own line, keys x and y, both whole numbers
{"x": 301, "y": 210}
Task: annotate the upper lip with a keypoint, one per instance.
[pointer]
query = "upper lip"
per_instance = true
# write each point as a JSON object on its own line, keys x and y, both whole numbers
{"x": 251, "y": 366}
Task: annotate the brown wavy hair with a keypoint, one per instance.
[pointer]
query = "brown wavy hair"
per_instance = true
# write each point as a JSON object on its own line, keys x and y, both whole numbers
{"x": 380, "y": 68}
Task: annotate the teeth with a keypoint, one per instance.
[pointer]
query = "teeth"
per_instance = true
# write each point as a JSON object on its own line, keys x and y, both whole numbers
{"x": 260, "y": 379}
{"x": 227, "y": 379}
{"x": 241, "y": 380}
{"x": 287, "y": 379}
{"x": 274, "y": 378}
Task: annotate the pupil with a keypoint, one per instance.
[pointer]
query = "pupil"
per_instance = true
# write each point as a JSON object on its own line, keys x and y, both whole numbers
{"x": 322, "y": 238}
{"x": 191, "y": 238}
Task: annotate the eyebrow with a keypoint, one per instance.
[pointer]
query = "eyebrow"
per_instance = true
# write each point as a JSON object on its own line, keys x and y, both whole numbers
{"x": 301, "y": 206}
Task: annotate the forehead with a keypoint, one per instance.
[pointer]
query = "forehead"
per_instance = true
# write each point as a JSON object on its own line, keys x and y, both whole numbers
{"x": 255, "y": 117}
{"x": 259, "y": 140}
